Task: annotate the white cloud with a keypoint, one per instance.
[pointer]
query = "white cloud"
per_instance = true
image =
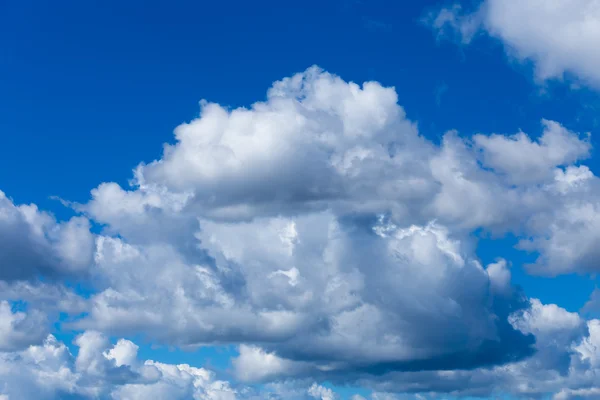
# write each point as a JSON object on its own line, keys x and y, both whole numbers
{"x": 321, "y": 393}
{"x": 500, "y": 276}
{"x": 33, "y": 243}
{"x": 277, "y": 245}
{"x": 560, "y": 36}
{"x": 547, "y": 319}
{"x": 565, "y": 235}
{"x": 48, "y": 297}
{"x": 123, "y": 353}
{"x": 20, "y": 329}
{"x": 523, "y": 160}
{"x": 178, "y": 382}
{"x": 254, "y": 365}
{"x": 102, "y": 371}
{"x": 589, "y": 348}
{"x": 322, "y": 235}
{"x": 316, "y": 141}
{"x": 339, "y": 311}
{"x": 360, "y": 162}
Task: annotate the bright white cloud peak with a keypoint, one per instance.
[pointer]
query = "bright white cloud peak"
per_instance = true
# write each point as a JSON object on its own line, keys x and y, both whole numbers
{"x": 322, "y": 234}
{"x": 559, "y": 36}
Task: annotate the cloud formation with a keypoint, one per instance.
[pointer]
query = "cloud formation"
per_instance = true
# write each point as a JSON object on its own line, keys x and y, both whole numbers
{"x": 563, "y": 367}
{"x": 559, "y": 37}
{"x": 102, "y": 370}
{"x": 322, "y": 234}
{"x": 34, "y": 244}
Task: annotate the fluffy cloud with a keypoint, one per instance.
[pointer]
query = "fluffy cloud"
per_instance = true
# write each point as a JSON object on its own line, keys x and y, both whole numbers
{"x": 322, "y": 234}
{"x": 46, "y": 297}
{"x": 102, "y": 370}
{"x": 523, "y": 161}
{"x": 33, "y": 243}
{"x": 564, "y": 236}
{"x": 564, "y": 365}
{"x": 254, "y": 365}
{"x": 321, "y": 393}
{"x": 316, "y": 141}
{"x": 303, "y": 224}
{"x": 321, "y": 144}
{"x": 20, "y": 329}
{"x": 427, "y": 303}
{"x": 559, "y": 36}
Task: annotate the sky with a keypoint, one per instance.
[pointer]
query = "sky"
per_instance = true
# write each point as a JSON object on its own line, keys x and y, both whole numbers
{"x": 343, "y": 199}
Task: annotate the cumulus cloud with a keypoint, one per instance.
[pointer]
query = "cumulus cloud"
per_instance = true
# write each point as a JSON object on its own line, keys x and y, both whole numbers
{"x": 102, "y": 371}
{"x": 321, "y": 393}
{"x": 563, "y": 365}
{"x": 523, "y": 160}
{"x": 255, "y": 365}
{"x": 316, "y": 142}
{"x": 564, "y": 236}
{"x": 20, "y": 329}
{"x": 28, "y": 311}
{"x": 263, "y": 225}
{"x": 428, "y": 300}
{"x": 319, "y": 232}
{"x": 559, "y": 37}
{"x": 33, "y": 243}
{"x": 320, "y": 144}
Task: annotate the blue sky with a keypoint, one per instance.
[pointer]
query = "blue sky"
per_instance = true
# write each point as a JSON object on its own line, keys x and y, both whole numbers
{"x": 92, "y": 89}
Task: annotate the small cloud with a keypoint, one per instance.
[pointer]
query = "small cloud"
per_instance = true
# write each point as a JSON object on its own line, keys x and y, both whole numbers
{"x": 440, "y": 90}
{"x": 592, "y": 307}
{"x": 453, "y": 23}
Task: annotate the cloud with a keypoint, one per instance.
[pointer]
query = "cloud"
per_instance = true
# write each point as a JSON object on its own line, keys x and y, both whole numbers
{"x": 453, "y": 22}
{"x": 522, "y": 160}
{"x": 33, "y": 243}
{"x": 19, "y": 329}
{"x": 102, "y": 370}
{"x": 328, "y": 240}
{"x": 317, "y": 141}
{"x": 321, "y": 393}
{"x": 559, "y": 37}
{"x": 345, "y": 149}
{"x": 47, "y": 297}
{"x": 262, "y": 225}
{"x": 590, "y": 393}
{"x": 564, "y": 235}
{"x": 254, "y": 365}
{"x": 411, "y": 313}
{"x": 564, "y": 365}
{"x": 28, "y": 311}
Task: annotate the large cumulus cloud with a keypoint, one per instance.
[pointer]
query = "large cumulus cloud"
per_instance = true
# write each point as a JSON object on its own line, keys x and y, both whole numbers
{"x": 320, "y": 144}
{"x": 320, "y": 232}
